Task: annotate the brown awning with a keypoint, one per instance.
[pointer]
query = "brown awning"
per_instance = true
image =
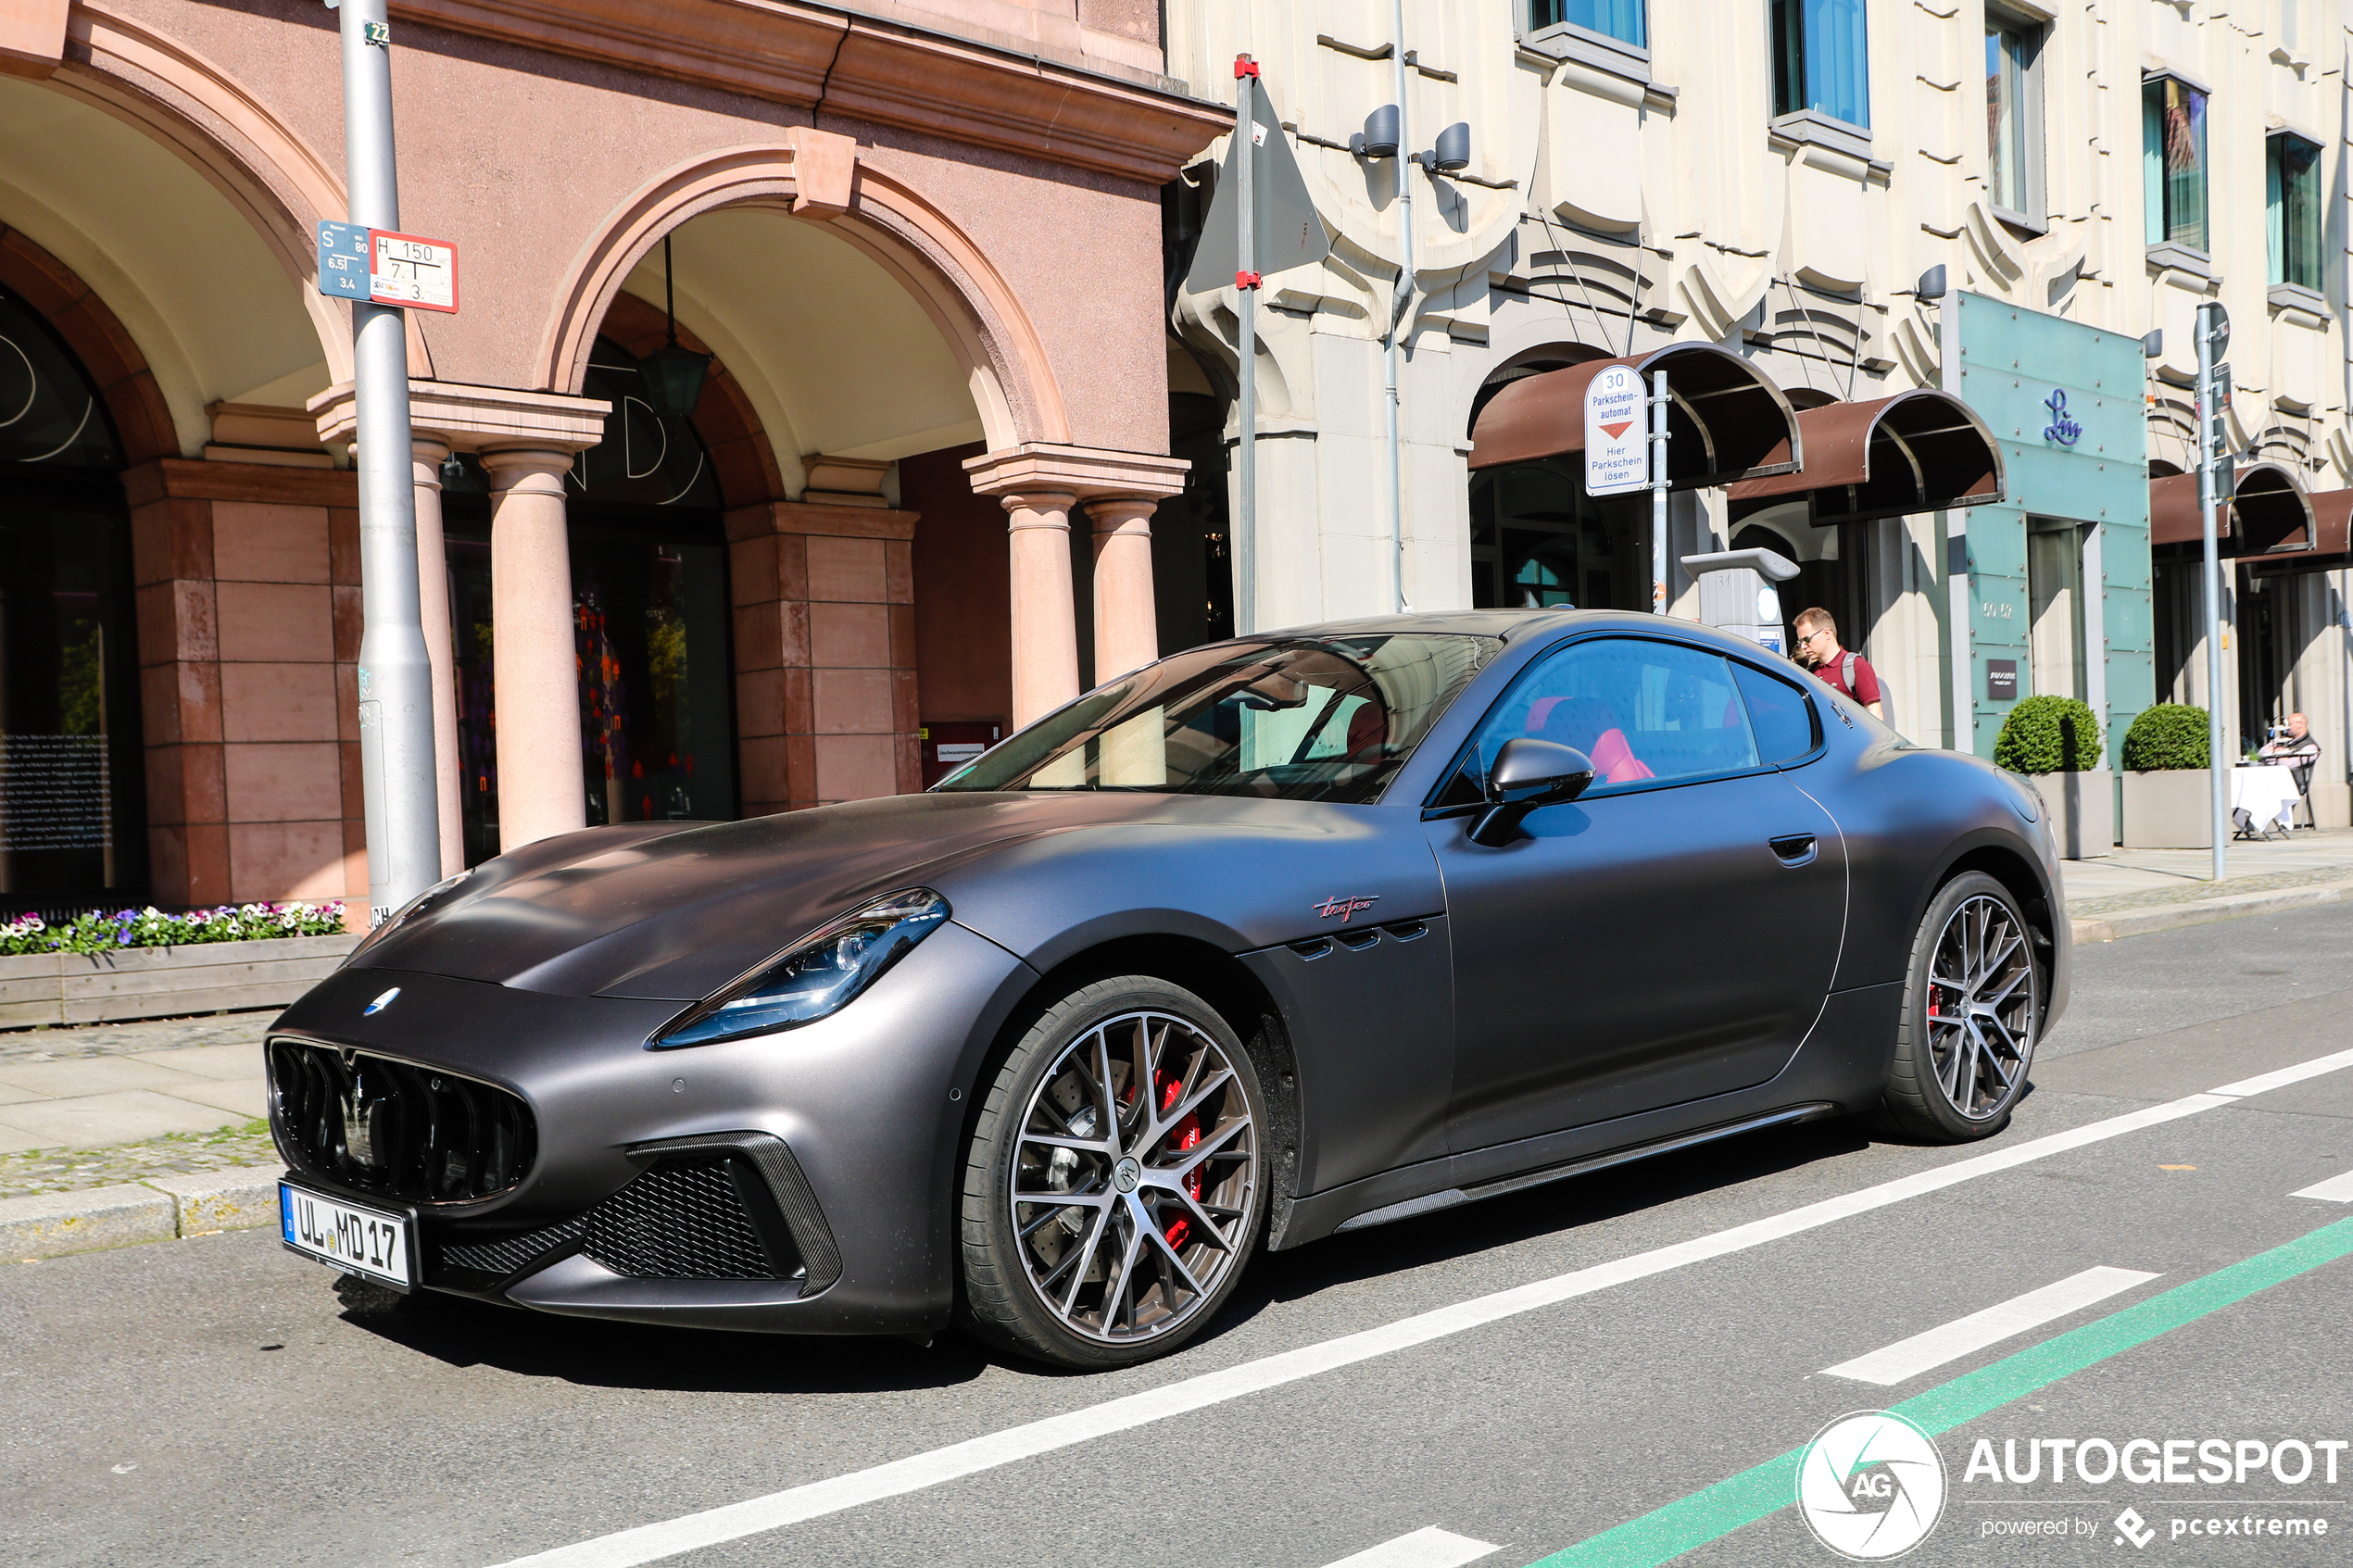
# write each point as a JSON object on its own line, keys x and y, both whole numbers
{"x": 2270, "y": 512}
{"x": 1727, "y": 420}
{"x": 2332, "y": 539}
{"x": 1918, "y": 451}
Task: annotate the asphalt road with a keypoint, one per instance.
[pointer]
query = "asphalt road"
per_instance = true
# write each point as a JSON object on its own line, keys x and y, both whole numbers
{"x": 212, "y": 1401}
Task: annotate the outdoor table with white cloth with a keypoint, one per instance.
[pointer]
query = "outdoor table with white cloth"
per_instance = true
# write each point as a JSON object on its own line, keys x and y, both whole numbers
{"x": 2266, "y": 793}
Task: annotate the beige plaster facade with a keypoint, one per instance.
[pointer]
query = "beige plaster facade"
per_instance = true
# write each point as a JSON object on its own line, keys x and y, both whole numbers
{"x": 1621, "y": 197}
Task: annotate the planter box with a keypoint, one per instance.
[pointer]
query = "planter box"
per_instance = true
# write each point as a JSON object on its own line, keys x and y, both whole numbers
{"x": 2082, "y": 808}
{"x": 2170, "y": 811}
{"x": 164, "y": 981}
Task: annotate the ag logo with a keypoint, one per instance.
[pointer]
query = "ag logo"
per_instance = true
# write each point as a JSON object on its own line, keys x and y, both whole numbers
{"x": 1870, "y": 1485}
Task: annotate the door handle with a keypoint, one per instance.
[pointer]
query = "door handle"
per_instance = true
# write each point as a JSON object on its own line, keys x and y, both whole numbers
{"x": 1795, "y": 848}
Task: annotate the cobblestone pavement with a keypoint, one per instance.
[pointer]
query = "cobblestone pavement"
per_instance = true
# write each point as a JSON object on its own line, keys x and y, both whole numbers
{"x": 181, "y": 1154}
{"x": 2195, "y": 892}
{"x": 127, "y": 1039}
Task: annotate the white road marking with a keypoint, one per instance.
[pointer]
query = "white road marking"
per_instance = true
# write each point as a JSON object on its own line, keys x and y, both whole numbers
{"x": 1907, "y": 1358}
{"x": 2286, "y": 1075}
{"x": 2336, "y": 1189}
{"x": 650, "y": 1543}
{"x": 1432, "y": 1548}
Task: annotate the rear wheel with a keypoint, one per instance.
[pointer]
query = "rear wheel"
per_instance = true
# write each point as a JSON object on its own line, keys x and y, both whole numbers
{"x": 1113, "y": 1189}
{"x": 1972, "y": 1002}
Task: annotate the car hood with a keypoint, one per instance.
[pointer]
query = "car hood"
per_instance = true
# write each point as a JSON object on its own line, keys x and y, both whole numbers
{"x": 675, "y": 910}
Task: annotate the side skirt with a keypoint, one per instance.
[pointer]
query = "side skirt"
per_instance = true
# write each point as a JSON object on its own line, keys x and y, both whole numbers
{"x": 1454, "y": 1196}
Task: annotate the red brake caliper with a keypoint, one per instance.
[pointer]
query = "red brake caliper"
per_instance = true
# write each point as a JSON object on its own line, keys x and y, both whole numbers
{"x": 1184, "y": 1135}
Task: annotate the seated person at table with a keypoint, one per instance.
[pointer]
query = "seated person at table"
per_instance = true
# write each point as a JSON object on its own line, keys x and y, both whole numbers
{"x": 2296, "y": 750}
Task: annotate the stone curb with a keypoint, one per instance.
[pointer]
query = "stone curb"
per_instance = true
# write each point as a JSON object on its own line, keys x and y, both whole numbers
{"x": 2168, "y": 917}
{"x": 52, "y": 1225}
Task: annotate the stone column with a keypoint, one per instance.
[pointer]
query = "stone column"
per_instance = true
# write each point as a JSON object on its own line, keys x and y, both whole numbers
{"x": 1127, "y": 619}
{"x": 432, "y": 600}
{"x": 1045, "y": 628}
{"x": 1038, "y": 482}
{"x": 533, "y": 666}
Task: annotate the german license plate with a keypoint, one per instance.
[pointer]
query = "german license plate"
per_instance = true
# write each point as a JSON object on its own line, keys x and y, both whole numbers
{"x": 371, "y": 1242}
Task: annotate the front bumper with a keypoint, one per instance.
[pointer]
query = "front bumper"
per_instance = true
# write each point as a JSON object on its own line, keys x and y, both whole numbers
{"x": 838, "y": 1141}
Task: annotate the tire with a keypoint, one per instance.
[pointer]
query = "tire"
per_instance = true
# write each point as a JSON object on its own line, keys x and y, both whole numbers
{"x": 1146, "y": 1231}
{"x": 1972, "y": 1007}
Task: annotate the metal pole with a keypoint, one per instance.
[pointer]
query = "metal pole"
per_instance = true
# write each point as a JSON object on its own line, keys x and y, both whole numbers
{"x": 1400, "y": 302}
{"x": 1246, "y": 282}
{"x": 2216, "y": 762}
{"x": 1955, "y": 526}
{"x": 395, "y": 676}
{"x": 1659, "y": 400}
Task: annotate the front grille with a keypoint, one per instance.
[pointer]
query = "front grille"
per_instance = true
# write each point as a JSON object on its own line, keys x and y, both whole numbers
{"x": 394, "y": 1130}
{"x": 685, "y": 1219}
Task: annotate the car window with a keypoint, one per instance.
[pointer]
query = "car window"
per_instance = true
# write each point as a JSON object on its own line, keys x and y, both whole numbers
{"x": 1786, "y": 724}
{"x": 1290, "y": 718}
{"x": 1643, "y": 710}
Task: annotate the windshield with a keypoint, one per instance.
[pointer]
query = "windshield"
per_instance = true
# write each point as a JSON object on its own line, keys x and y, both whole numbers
{"x": 1289, "y": 718}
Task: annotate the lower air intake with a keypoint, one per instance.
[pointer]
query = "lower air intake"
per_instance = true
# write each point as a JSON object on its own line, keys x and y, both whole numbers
{"x": 685, "y": 1219}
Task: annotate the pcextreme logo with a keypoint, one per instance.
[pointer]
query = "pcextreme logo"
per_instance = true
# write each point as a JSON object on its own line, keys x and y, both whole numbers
{"x": 1870, "y": 1485}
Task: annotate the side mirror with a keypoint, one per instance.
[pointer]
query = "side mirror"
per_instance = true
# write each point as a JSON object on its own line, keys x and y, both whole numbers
{"x": 1528, "y": 773}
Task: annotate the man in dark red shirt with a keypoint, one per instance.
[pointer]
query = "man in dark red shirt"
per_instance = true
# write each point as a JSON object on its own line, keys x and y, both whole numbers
{"x": 1818, "y": 650}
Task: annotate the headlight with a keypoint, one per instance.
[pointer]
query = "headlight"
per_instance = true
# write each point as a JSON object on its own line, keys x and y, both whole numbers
{"x": 402, "y": 913}
{"x": 816, "y": 978}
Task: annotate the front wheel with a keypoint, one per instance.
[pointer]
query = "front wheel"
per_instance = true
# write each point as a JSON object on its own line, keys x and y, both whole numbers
{"x": 1972, "y": 1002}
{"x": 1113, "y": 1192}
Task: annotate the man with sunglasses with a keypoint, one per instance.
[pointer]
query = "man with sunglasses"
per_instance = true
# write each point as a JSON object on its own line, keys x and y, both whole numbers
{"x": 1818, "y": 650}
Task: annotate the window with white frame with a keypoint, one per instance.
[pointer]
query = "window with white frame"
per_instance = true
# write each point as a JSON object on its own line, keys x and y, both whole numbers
{"x": 1821, "y": 60}
{"x": 2292, "y": 208}
{"x": 2013, "y": 116}
{"x": 1627, "y": 21}
{"x": 2173, "y": 162}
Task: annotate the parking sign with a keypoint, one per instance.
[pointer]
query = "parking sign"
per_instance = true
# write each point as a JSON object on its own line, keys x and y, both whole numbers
{"x": 1615, "y": 461}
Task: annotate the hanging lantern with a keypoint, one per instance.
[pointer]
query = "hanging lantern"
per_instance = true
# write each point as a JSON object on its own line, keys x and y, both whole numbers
{"x": 674, "y": 379}
{"x": 673, "y": 375}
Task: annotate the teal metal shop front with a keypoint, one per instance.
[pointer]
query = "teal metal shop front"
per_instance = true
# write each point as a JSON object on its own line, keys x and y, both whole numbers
{"x": 2057, "y": 572}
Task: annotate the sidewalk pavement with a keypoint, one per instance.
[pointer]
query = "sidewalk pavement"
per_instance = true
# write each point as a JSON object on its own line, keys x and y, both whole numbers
{"x": 111, "y": 1112}
{"x": 117, "y": 1083}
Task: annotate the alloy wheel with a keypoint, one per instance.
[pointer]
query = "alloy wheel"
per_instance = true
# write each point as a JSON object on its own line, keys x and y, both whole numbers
{"x": 1982, "y": 1007}
{"x": 1135, "y": 1178}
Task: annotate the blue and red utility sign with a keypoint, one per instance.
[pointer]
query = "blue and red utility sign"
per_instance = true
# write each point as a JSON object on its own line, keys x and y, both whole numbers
{"x": 385, "y": 267}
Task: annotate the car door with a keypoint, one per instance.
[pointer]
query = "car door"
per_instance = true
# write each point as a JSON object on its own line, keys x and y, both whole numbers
{"x": 1671, "y": 933}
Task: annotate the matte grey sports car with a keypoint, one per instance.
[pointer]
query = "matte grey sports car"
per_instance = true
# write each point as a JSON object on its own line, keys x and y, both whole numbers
{"x": 1289, "y": 934}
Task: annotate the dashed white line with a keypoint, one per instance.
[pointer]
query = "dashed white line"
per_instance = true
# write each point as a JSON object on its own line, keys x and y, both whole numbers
{"x": 2336, "y": 1189}
{"x": 650, "y": 1543}
{"x": 1907, "y": 1358}
{"x": 1432, "y": 1548}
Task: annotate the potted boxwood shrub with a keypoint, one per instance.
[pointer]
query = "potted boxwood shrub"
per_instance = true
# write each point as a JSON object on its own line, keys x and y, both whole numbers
{"x": 2057, "y": 739}
{"x": 2168, "y": 785}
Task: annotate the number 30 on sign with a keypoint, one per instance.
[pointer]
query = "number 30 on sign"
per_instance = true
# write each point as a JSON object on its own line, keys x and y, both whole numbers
{"x": 386, "y": 267}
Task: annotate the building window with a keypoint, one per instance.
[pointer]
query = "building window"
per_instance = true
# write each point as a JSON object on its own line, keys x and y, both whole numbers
{"x": 2173, "y": 162}
{"x": 71, "y": 831}
{"x": 2292, "y": 209}
{"x": 1625, "y": 20}
{"x": 2013, "y": 118}
{"x": 1820, "y": 64}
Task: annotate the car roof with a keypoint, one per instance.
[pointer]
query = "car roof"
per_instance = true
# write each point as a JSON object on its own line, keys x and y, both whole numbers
{"x": 1507, "y": 624}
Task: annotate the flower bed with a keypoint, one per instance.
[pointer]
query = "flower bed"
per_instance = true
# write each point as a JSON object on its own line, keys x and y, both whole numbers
{"x": 150, "y": 927}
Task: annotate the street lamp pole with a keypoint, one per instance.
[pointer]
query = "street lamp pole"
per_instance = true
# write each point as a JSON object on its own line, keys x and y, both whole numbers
{"x": 395, "y": 676}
